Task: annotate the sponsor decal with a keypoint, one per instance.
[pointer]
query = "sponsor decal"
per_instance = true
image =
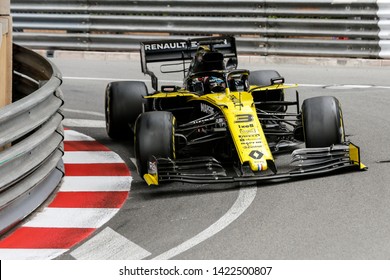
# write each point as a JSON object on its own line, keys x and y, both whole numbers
{"x": 256, "y": 154}
{"x": 206, "y": 109}
{"x": 165, "y": 46}
{"x": 220, "y": 122}
{"x": 252, "y": 140}
{"x": 249, "y": 131}
{"x": 252, "y": 136}
{"x": 252, "y": 144}
{"x": 242, "y": 126}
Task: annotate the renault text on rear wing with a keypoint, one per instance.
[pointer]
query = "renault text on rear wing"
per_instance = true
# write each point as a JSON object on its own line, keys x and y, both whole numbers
{"x": 182, "y": 50}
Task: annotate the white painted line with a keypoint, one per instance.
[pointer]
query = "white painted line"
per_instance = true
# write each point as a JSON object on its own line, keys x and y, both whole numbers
{"x": 30, "y": 254}
{"x": 102, "y": 79}
{"x": 348, "y": 86}
{"x": 97, "y": 114}
{"x": 348, "y": 1}
{"x": 343, "y": 86}
{"x": 180, "y": 82}
{"x": 91, "y": 157}
{"x": 310, "y": 85}
{"x": 117, "y": 79}
{"x": 109, "y": 245}
{"x": 71, "y": 135}
{"x": 72, "y": 217}
{"x": 84, "y": 123}
{"x": 96, "y": 183}
{"x": 243, "y": 201}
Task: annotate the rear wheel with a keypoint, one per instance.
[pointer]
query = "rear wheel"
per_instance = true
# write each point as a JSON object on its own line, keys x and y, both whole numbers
{"x": 123, "y": 103}
{"x": 323, "y": 124}
{"x": 263, "y": 78}
{"x": 154, "y": 138}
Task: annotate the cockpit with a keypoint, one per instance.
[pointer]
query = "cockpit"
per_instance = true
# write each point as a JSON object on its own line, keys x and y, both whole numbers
{"x": 218, "y": 81}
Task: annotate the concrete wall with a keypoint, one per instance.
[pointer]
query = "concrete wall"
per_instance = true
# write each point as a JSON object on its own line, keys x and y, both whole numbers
{"x": 5, "y": 53}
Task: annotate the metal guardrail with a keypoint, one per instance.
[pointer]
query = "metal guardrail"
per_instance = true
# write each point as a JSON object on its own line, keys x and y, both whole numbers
{"x": 31, "y": 135}
{"x": 384, "y": 26}
{"x": 265, "y": 27}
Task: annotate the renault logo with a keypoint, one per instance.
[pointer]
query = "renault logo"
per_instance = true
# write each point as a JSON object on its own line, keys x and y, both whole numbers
{"x": 256, "y": 154}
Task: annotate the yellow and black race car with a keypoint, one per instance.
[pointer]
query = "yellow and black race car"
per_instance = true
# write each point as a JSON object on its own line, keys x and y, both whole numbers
{"x": 224, "y": 125}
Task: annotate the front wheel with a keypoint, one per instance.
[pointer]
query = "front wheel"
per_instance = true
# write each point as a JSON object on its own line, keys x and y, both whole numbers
{"x": 154, "y": 138}
{"x": 323, "y": 124}
{"x": 124, "y": 101}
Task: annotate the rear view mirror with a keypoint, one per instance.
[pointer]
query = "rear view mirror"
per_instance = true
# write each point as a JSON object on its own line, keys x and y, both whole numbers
{"x": 198, "y": 87}
{"x": 277, "y": 81}
{"x": 231, "y": 63}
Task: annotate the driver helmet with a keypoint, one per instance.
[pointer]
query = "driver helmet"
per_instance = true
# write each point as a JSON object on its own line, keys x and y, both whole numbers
{"x": 200, "y": 53}
{"x": 216, "y": 84}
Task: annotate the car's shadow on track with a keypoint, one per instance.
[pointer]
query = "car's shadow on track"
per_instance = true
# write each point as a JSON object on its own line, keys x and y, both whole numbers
{"x": 182, "y": 189}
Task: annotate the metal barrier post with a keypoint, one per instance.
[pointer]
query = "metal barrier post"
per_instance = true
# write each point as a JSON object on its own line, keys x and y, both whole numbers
{"x": 5, "y": 54}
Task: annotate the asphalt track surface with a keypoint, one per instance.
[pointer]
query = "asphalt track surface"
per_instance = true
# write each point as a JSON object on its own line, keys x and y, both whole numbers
{"x": 343, "y": 216}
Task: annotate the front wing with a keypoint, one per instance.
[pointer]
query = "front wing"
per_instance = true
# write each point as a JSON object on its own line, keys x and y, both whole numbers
{"x": 207, "y": 170}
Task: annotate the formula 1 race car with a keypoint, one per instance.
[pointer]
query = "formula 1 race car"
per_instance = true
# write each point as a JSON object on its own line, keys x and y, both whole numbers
{"x": 224, "y": 125}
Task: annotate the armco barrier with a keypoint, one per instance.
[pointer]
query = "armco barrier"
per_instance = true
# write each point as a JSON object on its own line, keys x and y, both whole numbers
{"x": 31, "y": 165}
{"x": 334, "y": 28}
{"x": 384, "y": 26}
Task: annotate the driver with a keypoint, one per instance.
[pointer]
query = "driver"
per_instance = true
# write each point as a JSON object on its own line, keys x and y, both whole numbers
{"x": 214, "y": 84}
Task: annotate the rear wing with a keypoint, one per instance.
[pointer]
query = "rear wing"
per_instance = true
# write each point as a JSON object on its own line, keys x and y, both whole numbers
{"x": 182, "y": 50}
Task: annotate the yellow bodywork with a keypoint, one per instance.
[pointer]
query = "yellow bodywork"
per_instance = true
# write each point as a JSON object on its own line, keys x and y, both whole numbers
{"x": 242, "y": 121}
{"x": 151, "y": 179}
{"x": 244, "y": 126}
{"x": 354, "y": 156}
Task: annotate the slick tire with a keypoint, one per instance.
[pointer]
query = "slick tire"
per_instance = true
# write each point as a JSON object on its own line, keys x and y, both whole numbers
{"x": 154, "y": 138}
{"x": 263, "y": 78}
{"x": 123, "y": 103}
{"x": 323, "y": 124}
